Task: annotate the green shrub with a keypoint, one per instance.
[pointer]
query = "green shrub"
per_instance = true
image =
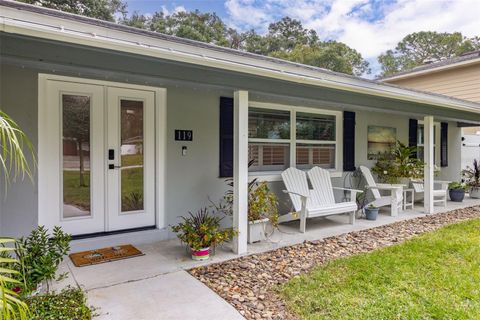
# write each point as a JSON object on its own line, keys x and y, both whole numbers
{"x": 69, "y": 304}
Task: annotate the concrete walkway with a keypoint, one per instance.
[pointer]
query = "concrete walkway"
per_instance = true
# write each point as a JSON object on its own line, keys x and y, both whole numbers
{"x": 156, "y": 285}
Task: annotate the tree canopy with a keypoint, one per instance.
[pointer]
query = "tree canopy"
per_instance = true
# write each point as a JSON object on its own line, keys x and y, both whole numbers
{"x": 99, "y": 9}
{"x": 425, "y": 46}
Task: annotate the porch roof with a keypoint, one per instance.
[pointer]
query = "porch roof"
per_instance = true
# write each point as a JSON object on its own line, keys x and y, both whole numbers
{"x": 23, "y": 19}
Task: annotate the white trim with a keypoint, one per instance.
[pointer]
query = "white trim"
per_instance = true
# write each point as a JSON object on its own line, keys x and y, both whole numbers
{"x": 429, "y": 70}
{"x": 23, "y": 22}
{"x": 160, "y": 139}
{"x": 429, "y": 165}
{"x": 293, "y": 109}
{"x": 436, "y": 143}
{"x": 240, "y": 170}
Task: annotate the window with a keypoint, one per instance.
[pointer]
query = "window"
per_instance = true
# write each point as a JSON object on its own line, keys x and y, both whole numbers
{"x": 281, "y": 136}
{"x": 421, "y": 141}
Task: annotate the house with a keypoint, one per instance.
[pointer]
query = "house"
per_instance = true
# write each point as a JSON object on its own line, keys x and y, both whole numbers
{"x": 457, "y": 77}
{"x": 196, "y": 113}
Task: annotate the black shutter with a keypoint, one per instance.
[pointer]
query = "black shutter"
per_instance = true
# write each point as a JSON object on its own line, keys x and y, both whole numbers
{"x": 226, "y": 137}
{"x": 412, "y": 134}
{"x": 444, "y": 144}
{"x": 348, "y": 141}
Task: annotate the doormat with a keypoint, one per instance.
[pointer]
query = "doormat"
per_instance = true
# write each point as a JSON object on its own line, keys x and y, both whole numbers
{"x": 87, "y": 258}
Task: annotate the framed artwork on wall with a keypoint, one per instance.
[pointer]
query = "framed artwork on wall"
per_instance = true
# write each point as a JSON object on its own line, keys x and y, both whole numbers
{"x": 380, "y": 141}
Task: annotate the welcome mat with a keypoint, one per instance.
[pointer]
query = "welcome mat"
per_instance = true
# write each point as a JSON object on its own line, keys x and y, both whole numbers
{"x": 87, "y": 258}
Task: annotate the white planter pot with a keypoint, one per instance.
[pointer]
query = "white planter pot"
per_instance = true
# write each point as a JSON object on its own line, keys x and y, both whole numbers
{"x": 475, "y": 193}
{"x": 257, "y": 230}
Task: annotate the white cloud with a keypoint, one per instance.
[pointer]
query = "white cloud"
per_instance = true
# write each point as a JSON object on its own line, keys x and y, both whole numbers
{"x": 371, "y": 27}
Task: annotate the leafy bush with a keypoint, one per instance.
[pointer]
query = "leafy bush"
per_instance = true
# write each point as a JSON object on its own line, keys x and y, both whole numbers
{"x": 457, "y": 186}
{"x": 41, "y": 254}
{"x": 69, "y": 304}
{"x": 202, "y": 230}
{"x": 399, "y": 163}
{"x": 472, "y": 175}
{"x": 262, "y": 203}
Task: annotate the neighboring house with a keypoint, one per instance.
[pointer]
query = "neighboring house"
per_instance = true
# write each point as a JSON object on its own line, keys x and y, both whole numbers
{"x": 114, "y": 84}
{"x": 458, "y": 77}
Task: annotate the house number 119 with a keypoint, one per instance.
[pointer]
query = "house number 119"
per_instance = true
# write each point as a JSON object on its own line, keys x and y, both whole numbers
{"x": 183, "y": 135}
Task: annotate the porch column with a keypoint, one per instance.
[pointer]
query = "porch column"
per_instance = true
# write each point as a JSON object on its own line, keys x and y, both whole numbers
{"x": 429, "y": 164}
{"x": 240, "y": 170}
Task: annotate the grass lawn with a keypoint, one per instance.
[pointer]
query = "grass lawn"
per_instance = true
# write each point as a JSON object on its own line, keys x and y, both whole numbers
{"x": 132, "y": 182}
{"x": 434, "y": 276}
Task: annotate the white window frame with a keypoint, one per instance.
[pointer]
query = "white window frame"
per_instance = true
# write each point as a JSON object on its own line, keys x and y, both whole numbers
{"x": 293, "y": 109}
{"x": 436, "y": 143}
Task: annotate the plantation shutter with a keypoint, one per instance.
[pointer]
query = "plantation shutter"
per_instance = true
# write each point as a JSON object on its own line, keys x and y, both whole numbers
{"x": 348, "y": 141}
{"x": 444, "y": 144}
{"x": 412, "y": 134}
{"x": 226, "y": 137}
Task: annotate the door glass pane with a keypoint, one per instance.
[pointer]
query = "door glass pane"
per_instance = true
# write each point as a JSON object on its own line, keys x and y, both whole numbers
{"x": 268, "y": 124}
{"x": 132, "y": 155}
{"x": 76, "y": 155}
{"x": 311, "y": 126}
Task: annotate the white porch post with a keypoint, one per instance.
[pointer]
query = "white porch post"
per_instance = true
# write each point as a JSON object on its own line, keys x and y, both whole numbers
{"x": 429, "y": 164}
{"x": 240, "y": 170}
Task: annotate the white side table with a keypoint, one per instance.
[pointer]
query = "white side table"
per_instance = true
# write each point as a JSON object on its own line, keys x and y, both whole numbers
{"x": 407, "y": 203}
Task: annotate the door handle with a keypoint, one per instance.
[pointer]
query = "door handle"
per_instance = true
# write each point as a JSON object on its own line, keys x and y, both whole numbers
{"x": 112, "y": 166}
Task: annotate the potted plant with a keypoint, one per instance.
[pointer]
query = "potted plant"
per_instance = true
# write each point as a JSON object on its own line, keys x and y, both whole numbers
{"x": 456, "y": 191}
{"x": 472, "y": 177}
{"x": 201, "y": 231}
{"x": 371, "y": 212}
{"x": 262, "y": 210}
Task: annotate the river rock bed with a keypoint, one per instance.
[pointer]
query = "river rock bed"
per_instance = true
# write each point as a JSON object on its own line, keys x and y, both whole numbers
{"x": 248, "y": 283}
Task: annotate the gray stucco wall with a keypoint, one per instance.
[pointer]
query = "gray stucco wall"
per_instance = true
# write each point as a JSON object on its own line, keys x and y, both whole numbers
{"x": 18, "y": 98}
{"x": 190, "y": 179}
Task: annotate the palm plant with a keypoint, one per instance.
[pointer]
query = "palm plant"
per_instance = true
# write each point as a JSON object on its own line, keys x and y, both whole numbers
{"x": 11, "y": 307}
{"x": 13, "y": 163}
{"x": 13, "y": 142}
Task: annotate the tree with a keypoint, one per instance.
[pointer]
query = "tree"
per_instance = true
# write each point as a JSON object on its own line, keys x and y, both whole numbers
{"x": 76, "y": 127}
{"x": 331, "y": 55}
{"x": 426, "y": 46}
{"x": 100, "y": 9}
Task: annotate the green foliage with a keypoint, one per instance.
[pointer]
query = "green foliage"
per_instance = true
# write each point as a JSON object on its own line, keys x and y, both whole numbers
{"x": 13, "y": 142}
{"x": 426, "y": 46}
{"x": 69, "y": 304}
{"x": 433, "y": 276}
{"x": 11, "y": 275}
{"x": 472, "y": 175}
{"x": 202, "y": 230}
{"x": 262, "y": 203}
{"x": 100, "y": 9}
{"x": 41, "y": 254}
{"x": 286, "y": 39}
{"x": 457, "y": 186}
{"x": 399, "y": 163}
{"x": 132, "y": 201}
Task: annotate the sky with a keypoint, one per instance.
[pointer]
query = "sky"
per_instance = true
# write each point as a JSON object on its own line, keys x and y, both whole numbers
{"x": 369, "y": 26}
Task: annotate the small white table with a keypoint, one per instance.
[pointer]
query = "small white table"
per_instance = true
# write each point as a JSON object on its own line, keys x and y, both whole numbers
{"x": 395, "y": 193}
{"x": 411, "y": 202}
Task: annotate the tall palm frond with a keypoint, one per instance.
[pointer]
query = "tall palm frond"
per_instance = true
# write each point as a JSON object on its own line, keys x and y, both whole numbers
{"x": 11, "y": 307}
{"x": 13, "y": 147}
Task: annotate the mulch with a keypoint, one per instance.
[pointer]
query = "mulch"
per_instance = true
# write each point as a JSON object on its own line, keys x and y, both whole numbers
{"x": 248, "y": 283}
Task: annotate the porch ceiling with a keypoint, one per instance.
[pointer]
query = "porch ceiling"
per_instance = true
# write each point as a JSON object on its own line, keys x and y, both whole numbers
{"x": 59, "y": 57}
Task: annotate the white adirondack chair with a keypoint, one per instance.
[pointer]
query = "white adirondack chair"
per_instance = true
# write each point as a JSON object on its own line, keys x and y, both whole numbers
{"x": 394, "y": 200}
{"x": 439, "y": 195}
{"x": 318, "y": 202}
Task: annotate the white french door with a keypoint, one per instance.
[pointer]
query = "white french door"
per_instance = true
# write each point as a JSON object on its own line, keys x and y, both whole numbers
{"x": 96, "y": 157}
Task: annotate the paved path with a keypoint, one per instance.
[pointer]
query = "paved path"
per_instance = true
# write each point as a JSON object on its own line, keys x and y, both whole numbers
{"x": 172, "y": 296}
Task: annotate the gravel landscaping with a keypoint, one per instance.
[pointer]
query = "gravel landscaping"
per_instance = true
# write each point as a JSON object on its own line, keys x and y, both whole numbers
{"x": 249, "y": 283}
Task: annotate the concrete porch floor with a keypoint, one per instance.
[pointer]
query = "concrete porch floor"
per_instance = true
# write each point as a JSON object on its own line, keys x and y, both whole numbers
{"x": 156, "y": 285}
